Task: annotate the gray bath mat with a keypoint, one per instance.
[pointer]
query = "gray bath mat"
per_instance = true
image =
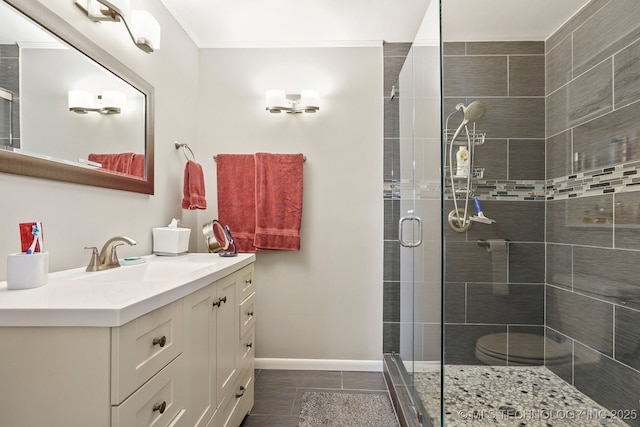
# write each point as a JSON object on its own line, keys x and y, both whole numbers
{"x": 346, "y": 410}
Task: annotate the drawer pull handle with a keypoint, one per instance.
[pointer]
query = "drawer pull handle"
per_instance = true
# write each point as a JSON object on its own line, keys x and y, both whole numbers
{"x": 250, "y": 313}
{"x": 162, "y": 341}
{"x": 248, "y": 281}
{"x": 239, "y": 395}
{"x": 160, "y": 407}
{"x": 249, "y": 344}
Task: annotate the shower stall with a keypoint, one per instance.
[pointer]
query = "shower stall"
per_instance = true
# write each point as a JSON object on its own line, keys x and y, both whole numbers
{"x": 9, "y": 96}
{"x": 522, "y": 309}
{"x": 6, "y": 117}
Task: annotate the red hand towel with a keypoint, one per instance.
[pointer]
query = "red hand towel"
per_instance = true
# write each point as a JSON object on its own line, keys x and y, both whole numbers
{"x": 278, "y": 201}
{"x": 236, "y": 197}
{"x": 193, "y": 189}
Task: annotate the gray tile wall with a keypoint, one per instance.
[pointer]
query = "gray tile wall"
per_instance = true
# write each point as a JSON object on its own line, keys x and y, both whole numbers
{"x": 593, "y": 241}
{"x": 394, "y": 58}
{"x": 498, "y": 291}
{"x": 9, "y": 80}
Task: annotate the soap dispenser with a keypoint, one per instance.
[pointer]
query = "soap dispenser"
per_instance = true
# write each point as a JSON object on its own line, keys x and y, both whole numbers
{"x": 462, "y": 161}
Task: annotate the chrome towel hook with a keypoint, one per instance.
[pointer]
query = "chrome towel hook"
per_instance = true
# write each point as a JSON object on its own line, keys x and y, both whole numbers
{"x": 185, "y": 147}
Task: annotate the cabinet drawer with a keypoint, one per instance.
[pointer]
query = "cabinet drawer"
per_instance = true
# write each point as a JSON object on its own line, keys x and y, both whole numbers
{"x": 247, "y": 314}
{"x": 247, "y": 286}
{"x": 240, "y": 402}
{"x": 158, "y": 403}
{"x": 247, "y": 349}
{"x": 144, "y": 346}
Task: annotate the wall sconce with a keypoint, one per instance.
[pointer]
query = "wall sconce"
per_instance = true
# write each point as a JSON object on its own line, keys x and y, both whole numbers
{"x": 141, "y": 25}
{"x": 108, "y": 102}
{"x": 305, "y": 101}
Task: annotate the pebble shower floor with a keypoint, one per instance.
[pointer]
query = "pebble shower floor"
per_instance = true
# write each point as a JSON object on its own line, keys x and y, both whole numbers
{"x": 509, "y": 396}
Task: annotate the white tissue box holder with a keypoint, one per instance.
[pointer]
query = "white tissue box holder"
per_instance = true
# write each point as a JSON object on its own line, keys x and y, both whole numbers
{"x": 169, "y": 241}
{"x": 26, "y": 271}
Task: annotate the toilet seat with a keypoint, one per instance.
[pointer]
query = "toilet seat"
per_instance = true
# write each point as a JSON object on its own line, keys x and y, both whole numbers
{"x": 524, "y": 349}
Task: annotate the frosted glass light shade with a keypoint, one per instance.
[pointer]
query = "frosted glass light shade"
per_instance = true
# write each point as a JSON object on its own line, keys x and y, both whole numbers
{"x": 277, "y": 101}
{"x": 145, "y": 30}
{"x": 80, "y": 101}
{"x": 309, "y": 101}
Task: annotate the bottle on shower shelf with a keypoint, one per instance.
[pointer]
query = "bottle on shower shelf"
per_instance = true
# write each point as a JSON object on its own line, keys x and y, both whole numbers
{"x": 462, "y": 162}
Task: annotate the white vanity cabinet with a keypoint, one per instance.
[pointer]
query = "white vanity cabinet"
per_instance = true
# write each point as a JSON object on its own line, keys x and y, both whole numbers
{"x": 188, "y": 362}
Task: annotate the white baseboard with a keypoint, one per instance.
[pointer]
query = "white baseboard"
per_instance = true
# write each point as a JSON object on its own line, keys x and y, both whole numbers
{"x": 320, "y": 364}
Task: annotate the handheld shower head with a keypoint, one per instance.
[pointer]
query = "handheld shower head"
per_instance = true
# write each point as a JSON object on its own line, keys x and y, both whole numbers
{"x": 472, "y": 113}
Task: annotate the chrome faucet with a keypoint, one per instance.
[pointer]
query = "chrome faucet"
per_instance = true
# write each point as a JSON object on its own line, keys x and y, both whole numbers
{"x": 107, "y": 258}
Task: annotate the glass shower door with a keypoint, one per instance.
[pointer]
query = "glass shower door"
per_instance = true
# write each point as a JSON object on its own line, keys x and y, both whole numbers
{"x": 420, "y": 226}
{"x": 409, "y": 226}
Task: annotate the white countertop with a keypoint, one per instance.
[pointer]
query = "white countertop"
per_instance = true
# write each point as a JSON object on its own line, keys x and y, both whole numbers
{"x": 113, "y": 297}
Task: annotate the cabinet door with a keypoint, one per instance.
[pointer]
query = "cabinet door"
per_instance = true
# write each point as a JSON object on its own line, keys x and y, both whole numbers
{"x": 227, "y": 335}
{"x": 200, "y": 341}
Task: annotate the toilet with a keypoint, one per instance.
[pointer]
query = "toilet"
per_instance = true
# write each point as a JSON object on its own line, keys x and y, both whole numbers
{"x": 524, "y": 350}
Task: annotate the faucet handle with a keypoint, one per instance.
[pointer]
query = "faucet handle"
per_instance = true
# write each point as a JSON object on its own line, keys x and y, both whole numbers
{"x": 113, "y": 259}
{"x": 93, "y": 263}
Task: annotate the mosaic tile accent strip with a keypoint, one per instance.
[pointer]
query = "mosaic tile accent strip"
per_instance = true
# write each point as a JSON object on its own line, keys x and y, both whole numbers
{"x": 613, "y": 179}
{"x": 509, "y": 396}
{"x": 619, "y": 178}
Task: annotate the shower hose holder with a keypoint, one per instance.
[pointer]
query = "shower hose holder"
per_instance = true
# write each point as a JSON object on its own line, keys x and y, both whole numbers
{"x": 458, "y": 220}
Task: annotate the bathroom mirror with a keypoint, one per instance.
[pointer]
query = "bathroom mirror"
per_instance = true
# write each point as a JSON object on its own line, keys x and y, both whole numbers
{"x": 69, "y": 111}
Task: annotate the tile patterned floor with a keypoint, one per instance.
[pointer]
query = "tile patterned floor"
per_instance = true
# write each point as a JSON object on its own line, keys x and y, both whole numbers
{"x": 508, "y": 396}
{"x": 278, "y": 392}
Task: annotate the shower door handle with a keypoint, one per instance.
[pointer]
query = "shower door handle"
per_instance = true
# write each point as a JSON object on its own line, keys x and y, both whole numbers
{"x": 409, "y": 217}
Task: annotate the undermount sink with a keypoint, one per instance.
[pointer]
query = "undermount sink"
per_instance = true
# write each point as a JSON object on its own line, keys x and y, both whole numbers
{"x": 156, "y": 269}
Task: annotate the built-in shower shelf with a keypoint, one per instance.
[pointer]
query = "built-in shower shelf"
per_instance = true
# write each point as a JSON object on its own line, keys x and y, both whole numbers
{"x": 477, "y": 137}
{"x": 476, "y": 173}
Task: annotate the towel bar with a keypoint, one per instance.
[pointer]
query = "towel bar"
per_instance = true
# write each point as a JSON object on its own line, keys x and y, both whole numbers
{"x": 304, "y": 158}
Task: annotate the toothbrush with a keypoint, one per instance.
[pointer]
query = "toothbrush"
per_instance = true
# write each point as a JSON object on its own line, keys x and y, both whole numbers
{"x": 35, "y": 230}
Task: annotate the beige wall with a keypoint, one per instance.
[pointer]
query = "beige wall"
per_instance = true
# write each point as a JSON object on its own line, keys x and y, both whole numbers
{"x": 325, "y": 301}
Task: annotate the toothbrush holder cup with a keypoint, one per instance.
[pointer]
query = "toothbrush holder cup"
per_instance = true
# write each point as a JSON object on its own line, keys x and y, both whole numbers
{"x": 26, "y": 271}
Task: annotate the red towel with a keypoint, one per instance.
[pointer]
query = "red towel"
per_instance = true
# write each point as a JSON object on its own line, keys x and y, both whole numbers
{"x": 117, "y": 162}
{"x": 278, "y": 201}
{"x": 137, "y": 166}
{"x": 193, "y": 189}
{"x": 123, "y": 163}
{"x": 236, "y": 197}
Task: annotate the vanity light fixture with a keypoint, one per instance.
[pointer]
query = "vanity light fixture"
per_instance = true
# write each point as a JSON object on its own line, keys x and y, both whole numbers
{"x": 141, "y": 25}
{"x": 305, "y": 101}
{"x": 108, "y": 102}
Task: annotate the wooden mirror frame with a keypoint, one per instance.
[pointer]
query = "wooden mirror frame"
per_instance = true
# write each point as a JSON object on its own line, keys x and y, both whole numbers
{"x": 23, "y": 164}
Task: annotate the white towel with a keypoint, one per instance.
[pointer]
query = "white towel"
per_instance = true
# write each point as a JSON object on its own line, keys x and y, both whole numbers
{"x": 499, "y": 265}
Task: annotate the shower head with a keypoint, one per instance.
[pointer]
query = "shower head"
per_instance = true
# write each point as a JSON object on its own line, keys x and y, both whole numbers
{"x": 472, "y": 113}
